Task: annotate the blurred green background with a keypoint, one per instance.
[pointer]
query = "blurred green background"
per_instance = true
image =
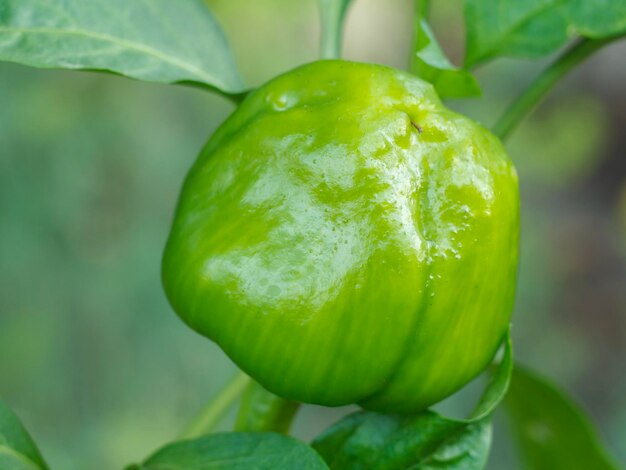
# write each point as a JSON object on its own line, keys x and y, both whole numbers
{"x": 91, "y": 356}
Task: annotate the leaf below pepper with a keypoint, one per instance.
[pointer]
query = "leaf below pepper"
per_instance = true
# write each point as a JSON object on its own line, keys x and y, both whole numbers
{"x": 235, "y": 451}
{"x": 426, "y": 440}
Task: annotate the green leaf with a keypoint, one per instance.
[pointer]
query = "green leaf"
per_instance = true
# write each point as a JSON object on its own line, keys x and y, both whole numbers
{"x": 332, "y": 17}
{"x": 431, "y": 64}
{"x": 551, "y": 429}
{"x": 530, "y": 28}
{"x": 426, "y": 440}
{"x": 236, "y": 451}
{"x": 11, "y": 460}
{"x": 17, "y": 449}
{"x": 598, "y": 18}
{"x": 497, "y": 386}
{"x": 534, "y": 28}
{"x": 366, "y": 440}
{"x": 154, "y": 40}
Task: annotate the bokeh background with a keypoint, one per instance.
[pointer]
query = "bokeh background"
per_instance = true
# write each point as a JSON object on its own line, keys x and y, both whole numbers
{"x": 92, "y": 357}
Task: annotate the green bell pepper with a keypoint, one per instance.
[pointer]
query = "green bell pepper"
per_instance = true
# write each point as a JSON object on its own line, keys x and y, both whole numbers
{"x": 345, "y": 238}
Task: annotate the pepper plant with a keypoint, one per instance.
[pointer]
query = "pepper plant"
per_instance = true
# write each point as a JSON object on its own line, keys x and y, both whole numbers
{"x": 343, "y": 236}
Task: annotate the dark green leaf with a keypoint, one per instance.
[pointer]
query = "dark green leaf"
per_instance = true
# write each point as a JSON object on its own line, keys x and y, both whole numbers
{"x": 552, "y": 431}
{"x": 17, "y": 449}
{"x": 530, "y": 28}
{"x": 155, "y": 40}
{"x": 332, "y": 16}
{"x": 366, "y": 440}
{"x": 598, "y": 18}
{"x": 426, "y": 440}
{"x": 431, "y": 64}
{"x": 468, "y": 449}
{"x": 236, "y": 451}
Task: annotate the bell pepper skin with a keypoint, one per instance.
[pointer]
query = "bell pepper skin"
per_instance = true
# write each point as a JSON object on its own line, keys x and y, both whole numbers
{"x": 345, "y": 238}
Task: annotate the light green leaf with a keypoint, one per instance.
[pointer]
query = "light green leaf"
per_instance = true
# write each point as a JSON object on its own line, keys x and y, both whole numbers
{"x": 11, "y": 460}
{"x": 552, "y": 431}
{"x": 332, "y": 17}
{"x": 236, "y": 451}
{"x": 431, "y": 64}
{"x": 155, "y": 40}
{"x": 530, "y": 28}
{"x": 17, "y": 449}
{"x": 421, "y": 441}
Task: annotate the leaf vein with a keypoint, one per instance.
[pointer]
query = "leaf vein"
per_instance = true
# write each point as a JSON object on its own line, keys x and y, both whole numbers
{"x": 122, "y": 43}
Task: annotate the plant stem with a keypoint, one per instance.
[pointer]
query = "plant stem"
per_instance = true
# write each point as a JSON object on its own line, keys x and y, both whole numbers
{"x": 263, "y": 411}
{"x": 533, "y": 95}
{"x": 330, "y": 47}
{"x": 211, "y": 414}
{"x": 332, "y": 16}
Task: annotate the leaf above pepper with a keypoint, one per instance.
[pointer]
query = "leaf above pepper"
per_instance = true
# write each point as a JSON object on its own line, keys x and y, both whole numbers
{"x": 598, "y": 18}
{"x": 154, "y": 40}
{"x": 431, "y": 64}
{"x": 529, "y": 29}
{"x": 535, "y": 28}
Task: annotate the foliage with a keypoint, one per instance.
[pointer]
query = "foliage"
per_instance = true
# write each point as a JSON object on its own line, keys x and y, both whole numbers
{"x": 153, "y": 40}
{"x": 431, "y": 64}
{"x": 534, "y": 28}
{"x": 366, "y": 440}
{"x": 181, "y": 42}
{"x": 235, "y": 451}
{"x": 552, "y": 430}
{"x": 17, "y": 449}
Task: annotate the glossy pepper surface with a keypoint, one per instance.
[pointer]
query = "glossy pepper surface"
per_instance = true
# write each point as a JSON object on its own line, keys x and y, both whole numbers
{"x": 345, "y": 238}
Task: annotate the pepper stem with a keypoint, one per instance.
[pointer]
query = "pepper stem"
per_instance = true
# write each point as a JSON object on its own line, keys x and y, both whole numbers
{"x": 263, "y": 411}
